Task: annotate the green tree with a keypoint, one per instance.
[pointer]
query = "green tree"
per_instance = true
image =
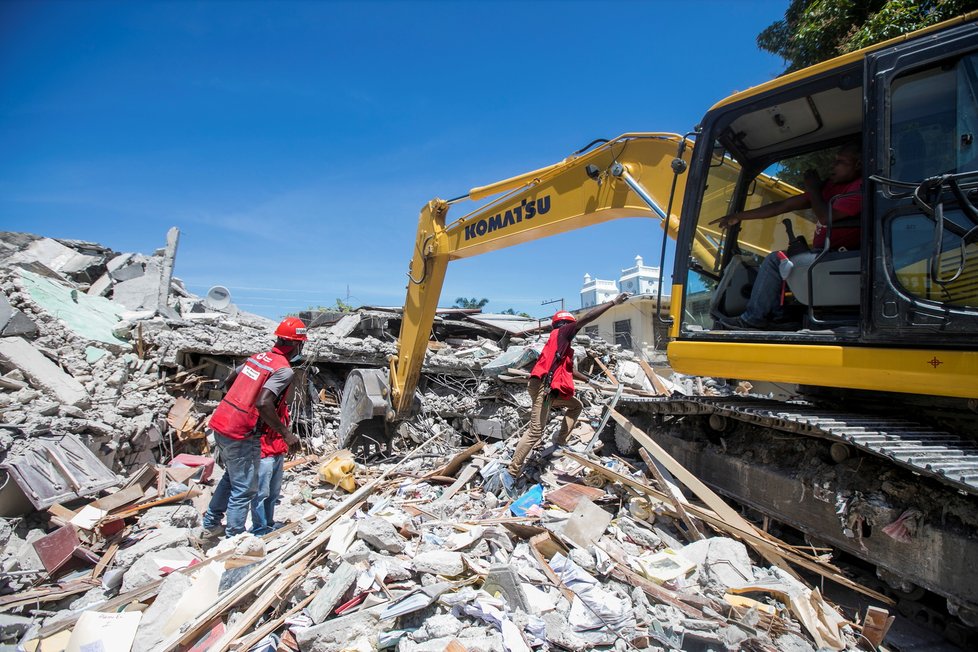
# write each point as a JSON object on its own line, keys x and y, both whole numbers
{"x": 478, "y": 304}
{"x": 510, "y": 311}
{"x": 815, "y": 30}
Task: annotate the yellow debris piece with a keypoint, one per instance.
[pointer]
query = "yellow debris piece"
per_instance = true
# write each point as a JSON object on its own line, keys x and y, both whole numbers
{"x": 338, "y": 470}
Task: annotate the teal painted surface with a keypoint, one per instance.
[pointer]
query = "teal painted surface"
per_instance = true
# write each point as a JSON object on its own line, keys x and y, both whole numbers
{"x": 91, "y": 318}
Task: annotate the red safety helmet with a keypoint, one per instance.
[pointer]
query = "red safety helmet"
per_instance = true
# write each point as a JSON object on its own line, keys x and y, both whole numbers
{"x": 562, "y": 315}
{"x": 292, "y": 328}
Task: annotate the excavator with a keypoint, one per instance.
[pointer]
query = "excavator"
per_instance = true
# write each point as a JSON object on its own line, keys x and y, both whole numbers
{"x": 869, "y": 446}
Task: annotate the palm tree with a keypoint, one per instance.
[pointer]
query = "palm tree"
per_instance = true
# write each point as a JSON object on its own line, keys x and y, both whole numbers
{"x": 478, "y": 304}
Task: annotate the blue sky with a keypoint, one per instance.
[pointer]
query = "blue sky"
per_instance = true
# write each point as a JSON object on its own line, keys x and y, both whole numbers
{"x": 294, "y": 143}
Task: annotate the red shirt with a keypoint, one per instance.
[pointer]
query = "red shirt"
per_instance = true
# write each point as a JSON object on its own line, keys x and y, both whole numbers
{"x": 273, "y": 443}
{"x": 846, "y": 232}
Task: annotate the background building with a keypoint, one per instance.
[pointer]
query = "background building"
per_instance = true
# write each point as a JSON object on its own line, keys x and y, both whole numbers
{"x": 634, "y": 324}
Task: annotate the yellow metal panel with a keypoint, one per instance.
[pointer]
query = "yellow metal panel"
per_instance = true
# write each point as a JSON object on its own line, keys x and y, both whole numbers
{"x": 676, "y": 310}
{"x": 912, "y": 371}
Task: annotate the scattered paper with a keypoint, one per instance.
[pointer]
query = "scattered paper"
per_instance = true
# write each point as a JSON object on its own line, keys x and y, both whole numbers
{"x": 96, "y": 631}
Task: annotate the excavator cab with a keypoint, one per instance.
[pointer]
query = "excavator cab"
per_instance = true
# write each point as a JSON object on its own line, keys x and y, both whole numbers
{"x": 898, "y": 314}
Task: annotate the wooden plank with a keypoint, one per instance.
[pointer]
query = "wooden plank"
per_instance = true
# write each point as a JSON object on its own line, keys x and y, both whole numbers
{"x": 270, "y": 626}
{"x": 299, "y": 461}
{"x": 796, "y": 557}
{"x": 670, "y": 490}
{"x": 567, "y": 496}
{"x": 120, "y": 498}
{"x": 263, "y": 601}
{"x": 604, "y": 368}
{"x": 704, "y": 493}
{"x": 107, "y": 555}
{"x": 193, "y": 493}
{"x": 463, "y": 478}
{"x": 660, "y": 387}
{"x": 455, "y": 464}
{"x": 877, "y": 624}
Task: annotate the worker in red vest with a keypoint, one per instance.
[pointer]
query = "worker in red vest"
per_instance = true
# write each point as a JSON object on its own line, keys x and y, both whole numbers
{"x": 257, "y": 386}
{"x": 553, "y": 377}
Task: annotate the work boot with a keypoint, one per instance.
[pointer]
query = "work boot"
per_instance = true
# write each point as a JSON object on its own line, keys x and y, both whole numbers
{"x": 509, "y": 484}
{"x": 203, "y": 536}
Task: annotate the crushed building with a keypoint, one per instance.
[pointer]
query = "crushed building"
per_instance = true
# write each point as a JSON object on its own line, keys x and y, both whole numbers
{"x": 111, "y": 367}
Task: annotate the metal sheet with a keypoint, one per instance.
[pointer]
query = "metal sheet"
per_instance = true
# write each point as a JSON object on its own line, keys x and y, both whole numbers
{"x": 56, "y": 469}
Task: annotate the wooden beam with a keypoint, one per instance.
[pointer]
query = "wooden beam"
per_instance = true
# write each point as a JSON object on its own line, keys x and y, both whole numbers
{"x": 670, "y": 490}
{"x": 704, "y": 493}
{"x": 601, "y": 365}
{"x": 793, "y": 554}
{"x": 660, "y": 387}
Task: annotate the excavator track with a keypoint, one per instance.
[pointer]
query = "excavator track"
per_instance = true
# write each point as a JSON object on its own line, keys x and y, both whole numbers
{"x": 946, "y": 457}
{"x": 783, "y": 460}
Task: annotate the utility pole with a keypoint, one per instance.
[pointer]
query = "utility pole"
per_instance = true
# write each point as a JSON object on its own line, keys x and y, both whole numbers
{"x": 560, "y": 300}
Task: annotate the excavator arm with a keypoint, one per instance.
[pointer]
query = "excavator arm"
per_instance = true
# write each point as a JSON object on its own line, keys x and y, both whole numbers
{"x": 630, "y": 176}
{"x": 634, "y": 175}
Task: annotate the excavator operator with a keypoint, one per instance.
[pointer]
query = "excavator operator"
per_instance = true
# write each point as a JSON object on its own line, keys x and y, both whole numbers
{"x": 845, "y": 178}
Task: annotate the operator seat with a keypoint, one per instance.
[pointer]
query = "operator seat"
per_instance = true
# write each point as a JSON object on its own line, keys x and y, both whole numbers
{"x": 835, "y": 279}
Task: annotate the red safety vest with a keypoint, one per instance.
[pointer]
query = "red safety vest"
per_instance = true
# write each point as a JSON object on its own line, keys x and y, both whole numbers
{"x": 563, "y": 380}
{"x": 237, "y": 416}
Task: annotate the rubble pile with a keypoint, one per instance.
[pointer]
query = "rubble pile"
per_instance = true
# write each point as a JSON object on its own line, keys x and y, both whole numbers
{"x": 107, "y": 471}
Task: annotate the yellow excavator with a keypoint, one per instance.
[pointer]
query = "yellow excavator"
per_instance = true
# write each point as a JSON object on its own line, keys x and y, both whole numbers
{"x": 875, "y": 452}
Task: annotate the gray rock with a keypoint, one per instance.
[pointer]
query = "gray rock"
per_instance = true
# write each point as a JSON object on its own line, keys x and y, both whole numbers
{"x": 150, "y": 632}
{"x": 156, "y": 540}
{"x": 439, "y": 562}
{"x": 380, "y": 534}
{"x": 18, "y": 353}
{"x": 329, "y": 596}
{"x": 722, "y": 562}
{"x": 440, "y": 626}
{"x": 339, "y": 632}
{"x": 560, "y": 633}
{"x": 357, "y": 552}
{"x": 486, "y": 642}
{"x": 182, "y": 516}
{"x": 146, "y": 569}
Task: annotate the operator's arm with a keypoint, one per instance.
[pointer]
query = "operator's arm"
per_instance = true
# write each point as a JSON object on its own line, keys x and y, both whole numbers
{"x": 269, "y": 414}
{"x": 795, "y": 203}
{"x": 599, "y": 310}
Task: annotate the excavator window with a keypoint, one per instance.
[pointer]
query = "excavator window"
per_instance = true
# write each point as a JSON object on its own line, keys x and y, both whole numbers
{"x": 720, "y": 286}
{"x": 932, "y": 127}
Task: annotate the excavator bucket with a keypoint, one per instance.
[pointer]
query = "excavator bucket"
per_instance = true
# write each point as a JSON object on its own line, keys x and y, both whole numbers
{"x": 364, "y": 426}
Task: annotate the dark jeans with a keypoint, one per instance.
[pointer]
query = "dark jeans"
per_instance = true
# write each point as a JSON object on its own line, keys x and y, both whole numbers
{"x": 269, "y": 487}
{"x": 765, "y": 296}
{"x": 238, "y": 486}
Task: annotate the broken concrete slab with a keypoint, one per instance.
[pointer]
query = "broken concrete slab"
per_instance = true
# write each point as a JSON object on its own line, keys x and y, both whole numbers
{"x": 439, "y": 562}
{"x": 92, "y": 318}
{"x": 586, "y": 523}
{"x": 341, "y": 632}
{"x": 141, "y": 292}
{"x": 326, "y": 600}
{"x": 150, "y": 568}
{"x": 18, "y": 353}
{"x": 13, "y": 322}
{"x": 380, "y": 534}
{"x": 57, "y": 257}
{"x": 150, "y": 633}
{"x": 155, "y": 540}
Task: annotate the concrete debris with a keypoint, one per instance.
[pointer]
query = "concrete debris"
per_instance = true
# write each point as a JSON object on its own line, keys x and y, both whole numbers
{"x": 420, "y": 551}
